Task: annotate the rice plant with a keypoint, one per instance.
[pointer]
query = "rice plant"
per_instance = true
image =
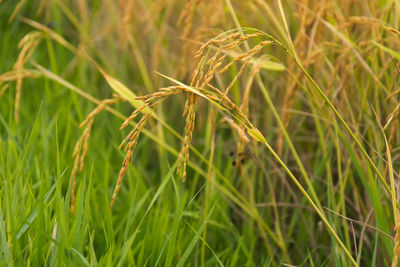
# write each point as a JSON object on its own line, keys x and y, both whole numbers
{"x": 199, "y": 133}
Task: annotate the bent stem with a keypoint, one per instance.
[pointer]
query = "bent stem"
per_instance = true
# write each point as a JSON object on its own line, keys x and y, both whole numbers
{"x": 306, "y": 195}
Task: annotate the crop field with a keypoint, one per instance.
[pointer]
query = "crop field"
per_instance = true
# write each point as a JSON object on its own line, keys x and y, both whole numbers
{"x": 199, "y": 133}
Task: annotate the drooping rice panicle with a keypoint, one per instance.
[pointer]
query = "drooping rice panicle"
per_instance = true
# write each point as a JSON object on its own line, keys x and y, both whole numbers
{"x": 202, "y": 76}
{"x": 81, "y": 147}
{"x": 27, "y": 45}
{"x": 130, "y": 147}
{"x": 189, "y": 128}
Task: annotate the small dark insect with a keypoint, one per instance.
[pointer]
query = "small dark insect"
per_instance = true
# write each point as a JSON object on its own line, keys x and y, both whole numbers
{"x": 239, "y": 159}
{"x": 50, "y": 25}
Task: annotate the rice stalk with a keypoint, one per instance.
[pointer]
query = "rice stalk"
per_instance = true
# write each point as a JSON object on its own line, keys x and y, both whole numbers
{"x": 396, "y": 248}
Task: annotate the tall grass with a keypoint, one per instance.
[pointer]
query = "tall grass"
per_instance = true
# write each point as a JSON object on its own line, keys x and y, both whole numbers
{"x": 286, "y": 153}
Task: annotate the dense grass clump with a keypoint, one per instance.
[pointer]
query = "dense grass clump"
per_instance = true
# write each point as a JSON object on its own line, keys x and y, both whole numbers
{"x": 201, "y": 132}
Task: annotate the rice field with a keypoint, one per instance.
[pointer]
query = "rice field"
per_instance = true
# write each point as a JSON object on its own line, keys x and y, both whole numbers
{"x": 199, "y": 133}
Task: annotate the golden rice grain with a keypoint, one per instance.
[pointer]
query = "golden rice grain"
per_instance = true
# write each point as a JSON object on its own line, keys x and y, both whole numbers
{"x": 81, "y": 147}
{"x": 130, "y": 147}
{"x": 189, "y": 128}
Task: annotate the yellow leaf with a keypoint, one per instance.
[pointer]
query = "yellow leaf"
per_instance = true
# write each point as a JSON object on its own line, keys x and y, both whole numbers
{"x": 257, "y": 135}
{"x": 122, "y": 90}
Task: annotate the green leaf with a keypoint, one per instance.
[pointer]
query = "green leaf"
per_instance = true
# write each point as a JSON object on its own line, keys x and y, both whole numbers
{"x": 395, "y": 54}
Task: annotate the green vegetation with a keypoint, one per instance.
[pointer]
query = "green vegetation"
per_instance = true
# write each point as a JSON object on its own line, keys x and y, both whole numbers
{"x": 287, "y": 153}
